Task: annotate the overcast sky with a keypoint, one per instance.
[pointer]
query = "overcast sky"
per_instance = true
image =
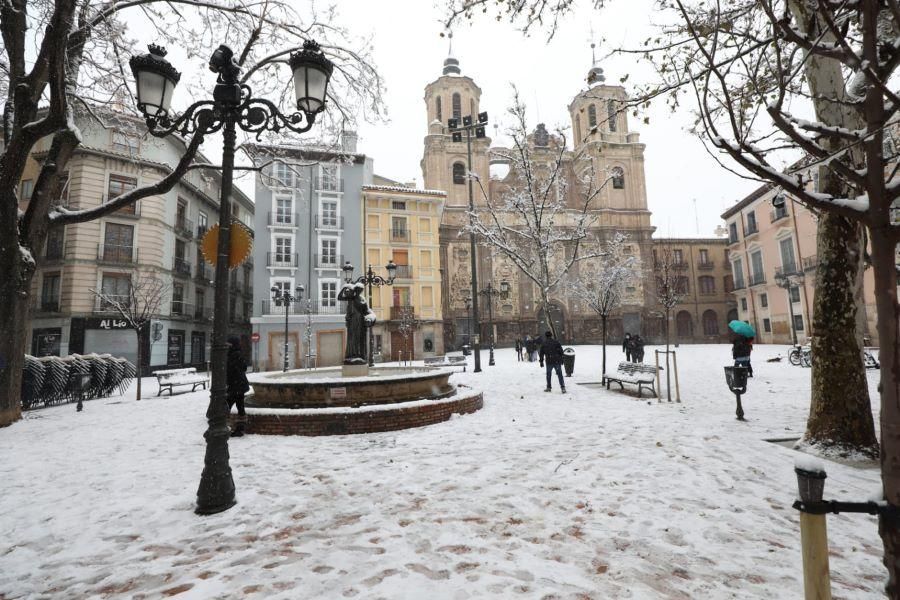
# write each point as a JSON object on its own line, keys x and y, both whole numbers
{"x": 409, "y": 53}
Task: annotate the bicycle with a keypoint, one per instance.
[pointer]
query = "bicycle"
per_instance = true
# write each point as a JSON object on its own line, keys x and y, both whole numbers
{"x": 800, "y": 355}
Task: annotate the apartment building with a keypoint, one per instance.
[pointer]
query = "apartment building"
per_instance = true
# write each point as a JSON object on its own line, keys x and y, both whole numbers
{"x": 158, "y": 236}
{"x": 775, "y": 243}
{"x": 308, "y": 223}
{"x": 402, "y": 224}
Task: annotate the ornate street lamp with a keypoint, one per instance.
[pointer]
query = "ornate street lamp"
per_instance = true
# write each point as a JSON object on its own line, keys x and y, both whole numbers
{"x": 232, "y": 106}
{"x": 788, "y": 281}
{"x": 371, "y": 279}
{"x": 285, "y": 298}
{"x": 490, "y": 292}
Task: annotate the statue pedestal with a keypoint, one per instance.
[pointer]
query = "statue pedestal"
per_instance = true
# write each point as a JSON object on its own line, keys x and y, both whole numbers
{"x": 355, "y": 370}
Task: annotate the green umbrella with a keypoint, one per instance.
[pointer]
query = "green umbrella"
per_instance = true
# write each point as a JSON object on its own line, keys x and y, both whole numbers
{"x": 742, "y": 328}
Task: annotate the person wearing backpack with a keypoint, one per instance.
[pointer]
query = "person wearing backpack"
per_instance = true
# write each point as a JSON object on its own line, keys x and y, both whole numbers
{"x": 552, "y": 354}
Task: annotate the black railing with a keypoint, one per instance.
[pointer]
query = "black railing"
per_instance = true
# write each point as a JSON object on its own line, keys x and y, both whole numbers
{"x": 328, "y": 184}
{"x": 316, "y": 307}
{"x": 757, "y": 278}
{"x": 181, "y": 267}
{"x": 404, "y": 272}
{"x": 329, "y": 222}
{"x": 120, "y": 255}
{"x": 328, "y": 261}
{"x": 284, "y": 219}
{"x": 184, "y": 227}
{"x": 707, "y": 265}
{"x": 788, "y": 269}
{"x": 399, "y": 235}
{"x": 281, "y": 259}
{"x": 778, "y": 213}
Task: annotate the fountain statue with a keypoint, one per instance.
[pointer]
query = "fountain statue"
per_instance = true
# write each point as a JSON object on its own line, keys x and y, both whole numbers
{"x": 359, "y": 317}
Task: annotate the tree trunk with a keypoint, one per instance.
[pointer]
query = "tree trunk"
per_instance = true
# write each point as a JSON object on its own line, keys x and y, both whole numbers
{"x": 840, "y": 414}
{"x": 603, "y": 325}
{"x": 140, "y": 360}
{"x": 15, "y": 284}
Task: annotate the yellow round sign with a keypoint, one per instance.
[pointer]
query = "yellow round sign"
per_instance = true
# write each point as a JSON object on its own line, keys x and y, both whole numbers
{"x": 241, "y": 244}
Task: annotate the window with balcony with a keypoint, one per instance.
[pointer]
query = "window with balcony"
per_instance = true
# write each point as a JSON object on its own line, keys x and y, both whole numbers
{"x": 732, "y": 233}
{"x": 117, "y": 287}
{"x": 328, "y": 251}
{"x": 50, "y": 292}
{"x": 728, "y": 284}
{"x": 459, "y": 173}
{"x": 330, "y": 178}
{"x": 118, "y": 243}
{"x": 707, "y": 285}
{"x": 202, "y": 223}
{"x": 329, "y": 213}
{"x": 183, "y": 225}
{"x": 284, "y": 249}
{"x": 283, "y": 175}
{"x": 737, "y": 270}
{"x": 328, "y": 293}
{"x": 788, "y": 263}
{"x": 118, "y": 185}
{"x": 757, "y": 275}
{"x": 177, "y": 299}
{"x": 284, "y": 210}
{"x": 751, "y": 223}
{"x": 704, "y": 256}
{"x": 399, "y": 232}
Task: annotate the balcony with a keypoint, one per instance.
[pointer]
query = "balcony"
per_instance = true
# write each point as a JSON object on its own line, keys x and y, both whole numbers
{"x": 750, "y": 229}
{"x": 181, "y": 267}
{"x": 283, "y": 219}
{"x": 46, "y": 305}
{"x": 776, "y": 214}
{"x": 281, "y": 260}
{"x": 328, "y": 261}
{"x": 105, "y": 305}
{"x": 131, "y": 211}
{"x": 810, "y": 262}
{"x": 180, "y": 308}
{"x": 116, "y": 254}
{"x": 706, "y": 265}
{"x": 184, "y": 227}
{"x": 757, "y": 279}
{"x": 398, "y": 312}
{"x": 400, "y": 235}
{"x": 329, "y": 222}
{"x": 404, "y": 272}
{"x": 788, "y": 269}
{"x": 204, "y": 273}
{"x": 327, "y": 184}
{"x": 316, "y": 307}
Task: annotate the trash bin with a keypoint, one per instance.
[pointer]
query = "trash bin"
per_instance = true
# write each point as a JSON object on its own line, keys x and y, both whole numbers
{"x": 467, "y": 349}
{"x": 569, "y": 361}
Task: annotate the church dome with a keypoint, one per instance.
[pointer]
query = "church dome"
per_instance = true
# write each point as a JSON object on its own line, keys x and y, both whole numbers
{"x": 595, "y": 75}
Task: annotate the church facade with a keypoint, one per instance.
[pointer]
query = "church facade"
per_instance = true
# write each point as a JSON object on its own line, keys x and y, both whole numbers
{"x": 603, "y": 141}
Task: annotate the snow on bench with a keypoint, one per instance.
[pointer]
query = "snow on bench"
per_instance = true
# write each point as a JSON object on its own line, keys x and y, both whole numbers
{"x": 446, "y": 361}
{"x": 634, "y": 373}
{"x": 170, "y": 378}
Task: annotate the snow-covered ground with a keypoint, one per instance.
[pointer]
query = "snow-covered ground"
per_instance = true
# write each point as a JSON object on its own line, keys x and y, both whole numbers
{"x": 594, "y": 494}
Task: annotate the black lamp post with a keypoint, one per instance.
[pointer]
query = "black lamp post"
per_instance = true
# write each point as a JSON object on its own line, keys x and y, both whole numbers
{"x": 371, "y": 279}
{"x": 489, "y": 293}
{"x": 469, "y": 322}
{"x": 284, "y": 297}
{"x": 789, "y": 281}
{"x": 470, "y": 127}
{"x": 232, "y": 106}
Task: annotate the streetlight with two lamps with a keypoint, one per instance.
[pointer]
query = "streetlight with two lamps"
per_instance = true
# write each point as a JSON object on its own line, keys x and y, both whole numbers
{"x": 232, "y": 106}
{"x": 370, "y": 279}
{"x": 284, "y": 298}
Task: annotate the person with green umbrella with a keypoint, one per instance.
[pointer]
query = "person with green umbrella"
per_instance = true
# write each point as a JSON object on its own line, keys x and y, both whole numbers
{"x": 742, "y": 344}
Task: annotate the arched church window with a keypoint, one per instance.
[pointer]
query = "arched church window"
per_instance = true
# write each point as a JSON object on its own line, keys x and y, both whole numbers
{"x": 459, "y": 173}
{"x": 437, "y": 109}
{"x": 611, "y": 114}
{"x": 592, "y": 116}
{"x": 578, "y": 129}
{"x": 457, "y": 106}
{"x": 618, "y": 178}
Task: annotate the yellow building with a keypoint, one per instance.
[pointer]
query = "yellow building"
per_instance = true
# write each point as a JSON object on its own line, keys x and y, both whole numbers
{"x": 402, "y": 224}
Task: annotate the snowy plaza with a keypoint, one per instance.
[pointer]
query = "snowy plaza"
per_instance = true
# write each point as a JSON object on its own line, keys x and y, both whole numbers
{"x": 592, "y": 494}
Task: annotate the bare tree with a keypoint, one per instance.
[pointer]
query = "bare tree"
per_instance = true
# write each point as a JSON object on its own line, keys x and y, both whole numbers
{"x": 541, "y": 221}
{"x": 63, "y": 54}
{"x": 671, "y": 288}
{"x": 145, "y": 296}
{"x": 602, "y": 285}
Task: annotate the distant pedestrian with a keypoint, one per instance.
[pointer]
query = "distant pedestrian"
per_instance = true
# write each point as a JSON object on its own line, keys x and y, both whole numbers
{"x": 236, "y": 382}
{"x": 538, "y": 344}
{"x": 637, "y": 348}
{"x": 627, "y": 347}
{"x": 519, "y": 349}
{"x": 552, "y": 354}
{"x": 740, "y": 352}
{"x": 526, "y": 347}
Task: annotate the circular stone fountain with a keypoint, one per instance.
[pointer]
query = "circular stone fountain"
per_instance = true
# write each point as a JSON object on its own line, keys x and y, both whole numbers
{"x": 324, "y": 402}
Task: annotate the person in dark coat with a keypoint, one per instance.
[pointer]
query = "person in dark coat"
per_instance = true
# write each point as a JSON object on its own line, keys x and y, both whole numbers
{"x": 538, "y": 344}
{"x": 740, "y": 352}
{"x": 552, "y": 354}
{"x": 519, "y": 349}
{"x": 637, "y": 348}
{"x": 626, "y": 347}
{"x": 236, "y": 382}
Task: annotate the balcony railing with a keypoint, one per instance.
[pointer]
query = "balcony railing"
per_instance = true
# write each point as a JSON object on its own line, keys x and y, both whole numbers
{"x": 180, "y": 308}
{"x": 398, "y": 312}
{"x": 404, "y": 272}
{"x": 777, "y": 213}
{"x": 184, "y": 227}
{"x": 181, "y": 267}
{"x": 400, "y": 235}
{"x": 788, "y": 269}
{"x": 750, "y": 229}
{"x": 810, "y": 262}
{"x": 706, "y": 265}
{"x": 281, "y": 260}
{"x": 757, "y": 278}
{"x": 116, "y": 254}
{"x": 329, "y": 222}
{"x": 283, "y": 219}
{"x": 328, "y": 184}
{"x": 46, "y": 305}
{"x": 105, "y": 304}
{"x": 328, "y": 261}
{"x": 204, "y": 273}
{"x": 316, "y": 307}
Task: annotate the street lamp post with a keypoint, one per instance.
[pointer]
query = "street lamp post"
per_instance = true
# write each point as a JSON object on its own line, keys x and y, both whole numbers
{"x": 489, "y": 292}
{"x": 469, "y": 321}
{"x": 232, "y": 106}
{"x": 370, "y": 279}
{"x": 284, "y": 297}
{"x": 788, "y": 281}
{"x": 470, "y": 127}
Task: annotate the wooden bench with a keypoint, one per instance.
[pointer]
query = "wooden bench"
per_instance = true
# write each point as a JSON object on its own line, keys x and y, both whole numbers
{"x": 446, "y": 361}
{"x": 634, "y": 373}
{"x": 171, "y": 378}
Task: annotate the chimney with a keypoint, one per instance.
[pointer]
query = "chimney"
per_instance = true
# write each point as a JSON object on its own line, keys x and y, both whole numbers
{"x": 348, "y": 141}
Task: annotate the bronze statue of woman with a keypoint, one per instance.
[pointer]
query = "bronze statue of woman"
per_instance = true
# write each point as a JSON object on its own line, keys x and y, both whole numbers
{"x": 358, "y": 317}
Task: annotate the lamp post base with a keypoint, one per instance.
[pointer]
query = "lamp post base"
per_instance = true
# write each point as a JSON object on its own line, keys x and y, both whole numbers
{"x": 216, "y": 491}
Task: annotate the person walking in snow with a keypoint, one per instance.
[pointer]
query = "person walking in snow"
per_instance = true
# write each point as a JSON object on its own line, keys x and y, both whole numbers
{"x": 552, "y": 354}
{"x": 519, "y": 349}
{"x": 626, "y": 347}
{"x": 538, "y": 346}
{"x": 236, "y": 383}
{"x": 637, "y": 348}
{"x": 740, "y": 351}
